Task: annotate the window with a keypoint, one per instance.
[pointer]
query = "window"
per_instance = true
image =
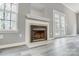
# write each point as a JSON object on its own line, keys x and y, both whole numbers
{"x": 59, "y": 23}
{"x": 8, "y": 16}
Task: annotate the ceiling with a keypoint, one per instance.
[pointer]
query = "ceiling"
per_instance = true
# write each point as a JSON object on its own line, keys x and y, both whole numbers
{"x": 37, "y": 5}
{"x": 73, "y": 6}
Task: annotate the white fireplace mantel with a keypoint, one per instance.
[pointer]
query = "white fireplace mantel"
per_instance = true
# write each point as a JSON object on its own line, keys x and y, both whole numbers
{"x": 28, "y": 31}
{"x": 37, "y": 17}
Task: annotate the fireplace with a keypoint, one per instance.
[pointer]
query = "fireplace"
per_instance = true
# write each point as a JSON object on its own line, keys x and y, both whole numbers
{"x": 38, "y": 33}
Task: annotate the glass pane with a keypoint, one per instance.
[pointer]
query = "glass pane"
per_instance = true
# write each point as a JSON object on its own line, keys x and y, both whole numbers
{"x": 13, "y": 25}
{"x": 1, "y": 25}
{"x": 1, "y": 14}
{"x": 8, "y": 6}
{"x": 14, "y": 8}
{"x": 1, "y": 5}
{"x": 62, "y": 19}
{"x": 7, "y": 15}
{"x": 62, "y": 25}
{"x": 7, "y": 25}
{"x": 13, "y": 16}
{"x": 62, "y": 22}
{"x": 57, "y": 24}
{"x": 56, "y": 15}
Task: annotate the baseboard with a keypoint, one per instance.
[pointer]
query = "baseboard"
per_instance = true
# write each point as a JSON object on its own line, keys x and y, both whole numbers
{"x": 63, "y": 37}
{"x": 69, "y": 35}
{"x": 12, "y": 45}
{"x": 51, "y": 38}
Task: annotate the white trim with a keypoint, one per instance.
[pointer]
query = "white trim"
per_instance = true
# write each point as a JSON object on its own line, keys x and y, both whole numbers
{"x": 12, "y": 45}
{"x": 57, "y": 11}
{"x": 69, "y": 8}
{"x": 63, "y": 37}
{"x": 27, "y": 34}
{"x": 69, "y": 35}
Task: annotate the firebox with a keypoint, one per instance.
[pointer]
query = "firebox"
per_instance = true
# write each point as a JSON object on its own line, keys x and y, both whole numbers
{"x": 38, "y": 33}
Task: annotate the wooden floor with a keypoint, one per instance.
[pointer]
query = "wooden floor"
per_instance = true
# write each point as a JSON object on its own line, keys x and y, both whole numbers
{"x": 68, "y": 46}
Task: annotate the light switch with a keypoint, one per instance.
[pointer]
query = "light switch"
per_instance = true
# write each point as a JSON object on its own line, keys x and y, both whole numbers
{"x": 1, "y": 36}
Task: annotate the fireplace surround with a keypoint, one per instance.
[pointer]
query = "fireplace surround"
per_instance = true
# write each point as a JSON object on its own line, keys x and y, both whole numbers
{"x": 36, "y": 31}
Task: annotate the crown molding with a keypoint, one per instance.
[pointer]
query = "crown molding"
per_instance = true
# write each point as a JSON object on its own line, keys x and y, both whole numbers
{"x": 69, "y": 7}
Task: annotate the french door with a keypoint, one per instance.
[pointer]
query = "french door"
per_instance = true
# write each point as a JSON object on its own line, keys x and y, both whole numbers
{"x": 58, "y": 24}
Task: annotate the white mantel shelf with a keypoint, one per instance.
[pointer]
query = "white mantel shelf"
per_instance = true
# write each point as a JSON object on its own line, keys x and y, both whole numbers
{"x": 37, "y": 17}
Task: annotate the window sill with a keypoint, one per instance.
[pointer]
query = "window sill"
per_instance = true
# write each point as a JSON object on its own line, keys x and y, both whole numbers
{"x": 8, "y": 31}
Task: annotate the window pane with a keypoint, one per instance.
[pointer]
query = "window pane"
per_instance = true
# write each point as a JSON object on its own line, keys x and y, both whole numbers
{"x": 7, "y": 15}
{"x": 62, "y": 19}
{"x": 13, "y": 16}
{"x": 57, "y": 21}
{"x": 56, "y": 24}
{"x": 8, "y": 6}
{"x": 13, "y": 25}
{"x": 1, "y": 14}
{"x": 7, "y": 25}
{"x": 1, "y": 24}
{"x": 14, "y": 8}
{"x": 1, "y": 5}
{"x": 56, "y": 15}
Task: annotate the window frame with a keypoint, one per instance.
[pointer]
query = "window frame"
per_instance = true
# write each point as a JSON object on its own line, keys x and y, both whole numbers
{"x": 60, "y": 14}
{"x": 10, "y": 30}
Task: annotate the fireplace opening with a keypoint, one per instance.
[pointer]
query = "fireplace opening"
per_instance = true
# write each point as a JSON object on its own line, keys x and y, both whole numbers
{"x": 38, "y": 33}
